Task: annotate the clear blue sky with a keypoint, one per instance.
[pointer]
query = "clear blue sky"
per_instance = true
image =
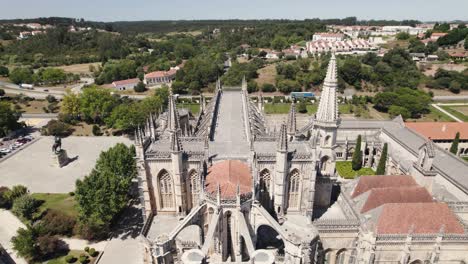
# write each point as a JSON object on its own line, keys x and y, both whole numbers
{"x": 118, "y": 10}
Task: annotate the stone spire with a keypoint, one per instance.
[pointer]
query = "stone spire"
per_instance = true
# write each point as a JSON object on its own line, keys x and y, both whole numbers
{"x": 292, "y": 124}
{"x": 172, "y": 114}
{"x": 176, "y": 145}
{"x": 328, "y": 107}
{"x": 244, "y": 84}
{"x": 283, "y": 139}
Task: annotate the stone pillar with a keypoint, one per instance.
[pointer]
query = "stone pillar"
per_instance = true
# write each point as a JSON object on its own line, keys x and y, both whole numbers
{"x": 280, "y": 182}
{"x": 179, "y": 191}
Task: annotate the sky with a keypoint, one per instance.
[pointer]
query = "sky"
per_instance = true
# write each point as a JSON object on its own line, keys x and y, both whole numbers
{"x": 131, "y": 10}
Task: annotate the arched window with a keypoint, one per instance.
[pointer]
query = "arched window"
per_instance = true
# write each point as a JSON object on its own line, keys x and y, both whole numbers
{"x": 265, "y": 180}
{"x": 341, "y": 256}
{"x": 293, "y": 194}
{"x": 194, "y": 187}
{"x": 324, "y": 165}
{"x": 166, "y": 191}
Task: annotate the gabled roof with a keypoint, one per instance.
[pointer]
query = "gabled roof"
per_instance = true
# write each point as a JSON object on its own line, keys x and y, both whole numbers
{"x": 367, "y": 183}
{"x": 381, "y": 196}
{"x": 439, "y": 130}
{"x": 417, "y": 218}
{"x": 228, "y": 175}
{"x": 124, "y": 82}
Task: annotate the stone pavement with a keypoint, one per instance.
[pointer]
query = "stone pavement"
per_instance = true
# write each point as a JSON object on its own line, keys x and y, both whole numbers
{"x": 9, "y": 224}
{"x": 34, "y": 166}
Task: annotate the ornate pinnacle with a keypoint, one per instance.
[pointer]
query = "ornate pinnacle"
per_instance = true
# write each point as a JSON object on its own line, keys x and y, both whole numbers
{"x": 283, "y": 139}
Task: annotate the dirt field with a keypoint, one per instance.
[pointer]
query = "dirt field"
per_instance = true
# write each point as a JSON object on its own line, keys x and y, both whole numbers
{"x": 445, "y": 66}
{"x": 36, "y": 107}
{"x": 83, "y": 129}
{"x": 266, "y": 75}
{"x": 79, "y": 68}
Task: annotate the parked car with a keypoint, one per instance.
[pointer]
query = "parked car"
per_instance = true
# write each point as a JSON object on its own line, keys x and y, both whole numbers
{"x": 5, "y": 150}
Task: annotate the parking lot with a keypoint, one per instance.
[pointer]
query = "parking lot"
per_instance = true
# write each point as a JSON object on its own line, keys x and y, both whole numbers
{"x": 34, "y": 165}
{"x": 11, "y": 146}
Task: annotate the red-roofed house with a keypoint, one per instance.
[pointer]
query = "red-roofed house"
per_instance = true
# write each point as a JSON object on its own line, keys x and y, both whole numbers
{"x": 158, "y": 78}
{"x": 367, "y": 183}
{"x": 124, "y": 85}
{"x": 328, "y": 36}
{"x": 443, "y": 133}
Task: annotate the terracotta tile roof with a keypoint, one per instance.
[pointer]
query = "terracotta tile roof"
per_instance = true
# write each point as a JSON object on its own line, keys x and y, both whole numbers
{"x": 417, "y": 218}
{"x": 228, "y": 174}
{"x": 439, "y": 130}
{"x": 381, "y": 196}
{"x": 367, "y": 183}
{"x": 124, "y": 82}
{"x": 158, "y": 74}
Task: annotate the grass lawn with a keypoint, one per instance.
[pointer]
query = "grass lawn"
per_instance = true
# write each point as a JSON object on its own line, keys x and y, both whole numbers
{"x": 457, "y": 111}
{"x": 75, "y": 253}
{"x": 62, "y": 202}
{"x": 434, "y": 116}
{"x": 267, "y": 74}
{"x": 345, "y": 170}
{"x": 194, "y": 108}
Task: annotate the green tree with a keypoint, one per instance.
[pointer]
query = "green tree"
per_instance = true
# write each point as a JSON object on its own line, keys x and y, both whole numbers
{"x": 383, "y": 161}
{"x": 119, "y": 159}
{"x": 71, "y": 105}
{"x": 140, "y": 87}
{"x": 8, "y": 119}
{"x": 16, "y": 192}
{"x": 21, "y": 75}
{"x": 403, "y": 36}
{"x": 279, "y": 42}
{"x": 96, "y": 103}
{"x": 302, "y": 107}
{"x": 396, "y": 110}
{"x": 2, "y": 92}
{"x": 268, "y": 88}
{"x": 4, "y": 71}
{"x": 48, "y": 245}
{"x": 357, "y": 155}
{"x": 25, "y": 206}
{"x": 56, "y": 128}
{"x": 25, "y": 243}
{"x": 454, "y": 146}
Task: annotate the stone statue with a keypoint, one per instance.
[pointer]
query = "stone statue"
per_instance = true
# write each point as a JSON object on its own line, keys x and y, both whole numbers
{"x": 57, "y": 147}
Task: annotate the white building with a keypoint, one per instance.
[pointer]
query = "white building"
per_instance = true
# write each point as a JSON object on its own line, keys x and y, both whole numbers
{"x": 328, "y": 36}
{"x": 158, "y": 78}
{"x": 393, "y": 30}
{"x": 323, "y": 46}
{"x": 124, "y": 85}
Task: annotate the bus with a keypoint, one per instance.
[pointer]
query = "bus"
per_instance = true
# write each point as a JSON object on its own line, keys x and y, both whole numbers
{"x": 299, "y": 95}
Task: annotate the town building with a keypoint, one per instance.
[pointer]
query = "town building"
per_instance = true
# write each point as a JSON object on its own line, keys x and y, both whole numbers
{"x": 328, "y": 36}
{"x": 227, "y": 187}
{"x": 125, "y": 85}
{"x": 443, "y": 133}
{"x": 158, "y": 78}
{"x": 346, "y": 46}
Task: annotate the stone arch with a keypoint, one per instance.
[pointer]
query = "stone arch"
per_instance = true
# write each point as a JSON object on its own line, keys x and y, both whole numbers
{"x": 327, "y": 140}
{"x": 325, "y": 163}
{"x": 325, "y": 257}
{"x": 294, "y": 190}
{"x": 265, "y": 188}
{"x": 269, "y": 238}
{"x": 194, "y": 187}
{"x": 417, "y": 261}
{"x": 341, "y": 256}
{"x": 166, "y": 190}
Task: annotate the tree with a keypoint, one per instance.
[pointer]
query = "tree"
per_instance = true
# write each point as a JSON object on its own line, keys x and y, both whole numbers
{"x": 16, "y": 192}
{"x": 268, "y": 88}
{"x": 2, "y": 92}
{"x": 4, "y": 71}
{"x": 140, "y": 87}
{"x": 25, "y": 243}
{"x": 21, "y": 75}
{"x": 279, "y": 43}
{"x": 383, "y": 161}
{"x": 56, "y": 128}
{"x": 8, "y": 119}
{"x": 25, "y": 206}
{"x": 105, "y": 191}
{"x": 396, "y": 110}
{"x": 4, "y": 201}
{"x": 454, "y": 146}
{"x": 287, "y": 86}
{"x": 357, "y": 155}
{"x": 71, "y": 105}
{"x": 302, "y": 107}
{"x": 48, "y": 245}
{"x": 403, "y": 36}
{"x": 96, "y": 103}
{"x": 56, "y": 223}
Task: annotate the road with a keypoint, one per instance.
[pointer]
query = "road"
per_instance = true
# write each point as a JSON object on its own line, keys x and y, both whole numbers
{"x": 447, "y": 113}
{"x": 450, "y": 97}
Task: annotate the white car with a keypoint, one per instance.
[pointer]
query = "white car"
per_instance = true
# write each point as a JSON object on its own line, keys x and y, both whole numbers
{"x": 5, "y": 150}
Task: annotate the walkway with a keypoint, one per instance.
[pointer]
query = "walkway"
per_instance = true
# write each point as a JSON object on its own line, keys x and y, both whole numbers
{"x": 230, "y": 137}
{"x": 447, "y": 113}
{"x": 8, "y": 227}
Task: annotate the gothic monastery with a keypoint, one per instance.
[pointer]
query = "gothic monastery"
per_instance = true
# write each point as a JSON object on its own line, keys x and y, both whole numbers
{"x": 225, "y": 187}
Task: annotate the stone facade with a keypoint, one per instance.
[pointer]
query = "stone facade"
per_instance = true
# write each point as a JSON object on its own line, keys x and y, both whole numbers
{"x": 286, "y": 207}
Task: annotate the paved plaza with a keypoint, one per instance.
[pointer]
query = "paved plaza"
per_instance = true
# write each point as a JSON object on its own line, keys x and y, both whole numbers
{"x": 34, "y": 166}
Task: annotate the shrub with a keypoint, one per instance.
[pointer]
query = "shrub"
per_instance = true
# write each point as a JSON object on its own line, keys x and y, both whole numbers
{"x": 383, "y": 161}
{"x": 86, "y": 249}
{"x": 16, "y": 192}
{"x": 25, "y": 206}
{"x": 71, "y": 193}
{"x": 97, "y": 130}
{"x": 70, "y": 259}
{"x": 93, "y": 253}
{"x": 268, "y": 88}
{"x": 4, "y": 200}
{"x": 56, "y": 128}
{"x": 57, "y": 223}
{"x": 25, "y": 243}
{"x": 48, "y": 245}
{"x": 357, "y": 156}
{"x": 83, "y": 259}
{"x": 302, "y": 107}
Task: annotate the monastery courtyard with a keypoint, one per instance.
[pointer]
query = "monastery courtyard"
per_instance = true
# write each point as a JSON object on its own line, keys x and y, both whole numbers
{"x": 34, "y": 166}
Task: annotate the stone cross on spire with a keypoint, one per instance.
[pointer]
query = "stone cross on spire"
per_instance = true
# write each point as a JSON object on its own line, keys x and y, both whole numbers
{"x": 292, "y": 124}
{"x": 172, "y": 114}
{"x": 328, "y": 106}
